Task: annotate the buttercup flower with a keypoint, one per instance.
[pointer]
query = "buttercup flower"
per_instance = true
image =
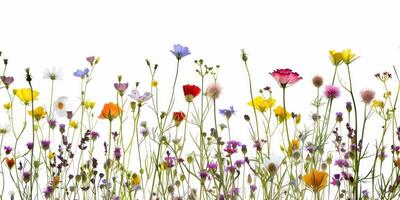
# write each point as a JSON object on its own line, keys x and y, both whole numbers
{"x": 110, "y": 111}
{"x": 39, "y": 113}
{"x": 293, "y": 146}
{"x": 135, "y": 180}
{"x": 261, "y": 104}
{"x": 73, "y": 124}
{"x": 316, "y": 180}
{"x": 336, "y": 57}
{"x": 61, "y": 106}
{"x": 348, "y": 56}
{"x": 53, "y": 74}
{"x": 89, "y": 104}
{"x": 331, "y": 92}
{"x": 281, "y": 114}
{"x": 180, "y": 51}
{"x": 178, "y": 117}
{"x": 377, "y": 103}
{"x": 140, "y": 98}
{"x": 81, "y": 73}
{"x": 367, "y": 95}
{"x": 190, "y": 92}
{"x": 285, "y": 77}
{"x": 25, "y": 95}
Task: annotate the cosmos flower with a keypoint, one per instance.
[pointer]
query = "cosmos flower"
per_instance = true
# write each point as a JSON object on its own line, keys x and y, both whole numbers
{"x": 180, "y": 51}
{"x": 285, "y": 77}
{"x": 316, "y": 180}
{"x": 81, "y": 74}
{"x": 61, "y": 106}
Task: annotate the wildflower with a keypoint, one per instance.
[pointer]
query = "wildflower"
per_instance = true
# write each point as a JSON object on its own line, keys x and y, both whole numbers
{"x": 135, "y": 180}
{"x": 48, "y": 192}
{"x": 26, "y": 176}
{"x": 203, "y": 175}
{"x": 169, "y": 161}
{"x": 121, "y": 87}
{"x": 190, "y": 92}
{"x": 60, "y": 106}
{"x": 7, "y": 80}
{"x": 10, "y": 162}
{"x": 281, "y": 114}
{"x": 297, "y": 118}
{"x": 45, "y": 144}
{"x": 51, "y": 155}
{"x": 94, "y": 135}
{"x": 285, "y": 77}
{"x": 89, "y": 104}
{"x": 39, "y": 113}
{"x": 342, "y": 163}
{"x": 53, "y": 74}
{"x": 110, "y": 111}
{"x": 73, "y": 124}
{"x": 117, "y": 153}
{"x": 231, "y": 146}
{"x": 349, "y": 106}
{"x": 93, "y": 60}
{"x": 180, "y": 51}
{"x": 261, "y": 104}
{"x": 7, "y": 106}
{"x": 154, "y": 83}
{"x": 331, "y": 92}
{"x": 62, "y": 128}
{"x": 140, "y": 98}
{"x": 238, "y": 163}
{"x": 367, "y": 96}
{"x": 339, "y": 117}
{"x": 234, "y": 192}
{"x": 253, "y": 188}
{"x": 336, "y": 179}
{"x": 81, "y": 74}
{"x": 213, "y": 91}
{"x": 293, "y": 146}
{"x": 316, "y": 180}
{"x": 365, "y": 194}
{"x": 29, "y": 145}
{"x": 212, "y": 166}
{"x": 273, "y": 163}
{"x": 7, "y": 149}
{"x": 230, "y": 169}
{"x": 227, "y": 112}
{"x": 52, "y": 123}
{"x": 4, "y": 129}
{"x": 336, "y": 57}
{"x": 385, "y": 76}
{"x": 317, "y": 81}
{"x": 25, "y": 95}
{"x": 55, "y": 181}
{"x": 178, "y": 117}
{"x": 348, "y": 56}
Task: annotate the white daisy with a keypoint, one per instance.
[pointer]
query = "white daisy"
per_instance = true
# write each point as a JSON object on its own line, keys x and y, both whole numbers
{"x": 53, "y": 74}
{"x": 61, "y": 106}
{"x": 273, "y": 163}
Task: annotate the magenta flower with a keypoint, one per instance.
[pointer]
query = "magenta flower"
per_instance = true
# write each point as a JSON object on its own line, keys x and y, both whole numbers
{"x": 212, "y": 166}
{"x": 367, "y": 95}
{"x": 285, "y": 77}
{"x": 331, "y": 92}
{"x": 8, "y": 149}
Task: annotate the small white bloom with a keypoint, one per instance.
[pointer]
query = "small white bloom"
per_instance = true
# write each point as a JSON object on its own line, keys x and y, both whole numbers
{"x": 61, "y": 106}
{"x": 4, "y": 128}
{"x": 53, "y": 74}
{"x": 273, "y": 163}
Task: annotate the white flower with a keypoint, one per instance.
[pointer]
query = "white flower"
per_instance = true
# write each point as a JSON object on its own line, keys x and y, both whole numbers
{"x": 4, "y": 128}
{"x": 140, "y": 98}
{"x": 53, "y": 74}
{"x": 61, "y": 106}
{"x": 273, "y": 163}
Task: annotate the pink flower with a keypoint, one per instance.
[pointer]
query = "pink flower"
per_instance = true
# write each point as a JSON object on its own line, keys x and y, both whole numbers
{"x": 331, "y": 92}
{"x": 367, "y": 95}
{"x": 285, "y": 77}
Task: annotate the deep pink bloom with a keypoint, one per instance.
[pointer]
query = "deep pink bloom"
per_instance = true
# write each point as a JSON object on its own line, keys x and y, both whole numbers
{"x": 367, "y": 95}
{"x": 285, "y": 77}
{"x": 331, "y": 92}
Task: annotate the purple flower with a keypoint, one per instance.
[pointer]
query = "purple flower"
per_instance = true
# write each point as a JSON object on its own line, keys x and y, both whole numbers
{"x": 253, "y": 188}
{"x": 234, "y": 191}
{"x": 203, "y": 175}
{"x": 80, "y": 73}
{"x": 348, "y": 106}
{"x": 365, "y": 194}
{"x": 342, "y": 163}
{"x": 169, "y": 161}
{"x": 336, "y": 180}
{"x": 29, "y": 145}
{"x": 230, "y": 169}
{"x": 331, "y": 92}
{"x": 62, "y": 128}
{"x": 94, "y": 135}
{"x": 121, "y": 87}
{"x": 7, "y": 80}
{"x": 48, "y": 191}
{"x": 339, "y": 117}
{"x": 212, "y": 166}
{"x": 140, "y": 98}
{"x": 45, "y": 144}
{"x": 231, "y": 146}
{"x": 117, "y": 153}
{"x": 180, "y": 51}
{"x": 52, "y": 123}
{"x": 26, "y": 176}
{"x": 91, "y": 60}
{"x": 227, "y": 112}
{"x": 8, "y": 149}
{"x": 239, "y": 163}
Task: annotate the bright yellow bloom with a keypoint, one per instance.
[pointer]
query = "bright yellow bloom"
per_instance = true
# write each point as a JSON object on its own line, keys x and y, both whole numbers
{"x": 7, "y": 106}
{"x": 336, "y": 57}
{"x": 25, "y": 95}
{"x": 348, "y": 56}
{"x": 89, "y": 104}
{"x": 293, "y": 146}
{"x": 135, "y": 180}
{"x": 261, "y": 104}
{"x": 154, "y": 83}
{"x": 281, "y": 114}
{"x": 73, "y": 124}
{"x": 377, "y": 103}
{"x": 297, "y": 119}
{"x": 39, "y": 113}
{"x": 387, "y": 94}
{"x": 51, "y": 155}
{"x": 316, "y": 180}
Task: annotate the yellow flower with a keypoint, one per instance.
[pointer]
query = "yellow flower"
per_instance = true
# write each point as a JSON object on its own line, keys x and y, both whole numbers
{"x": 51, "y": 155}
{"x": 293, "y": 146}
{"x": 281, "y": 114}
{"x": 377, "y": 103}
{"x": 297, "y": 119}
{"x": 89, "y": 104}
{"x": 387, "y": 94}
{"x": 7, "y": 106}
{"x": 261, "y": 104}
{"x": 154, "y": 83}
{"x": 25, "y": 95}
{"x": 336, "y": 57}
{"x": 316, "y": 180}
{"x": 73, "y": 124}
{"x": 39, "y": 113}
{"x": 135, "y": 180}
{"x": 348, "y": 56}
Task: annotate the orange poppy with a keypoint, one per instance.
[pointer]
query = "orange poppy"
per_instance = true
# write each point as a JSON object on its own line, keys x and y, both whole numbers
{"x": 110, "y": 111}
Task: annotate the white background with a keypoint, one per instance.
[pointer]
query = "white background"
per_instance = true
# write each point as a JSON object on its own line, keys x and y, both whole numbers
{"x": 276, "y": 34}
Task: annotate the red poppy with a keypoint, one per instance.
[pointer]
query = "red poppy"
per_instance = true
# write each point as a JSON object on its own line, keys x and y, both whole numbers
{"x": 190, "y": 92}
{"x": 178, "y": 117}
{"x": 10, "y": 162}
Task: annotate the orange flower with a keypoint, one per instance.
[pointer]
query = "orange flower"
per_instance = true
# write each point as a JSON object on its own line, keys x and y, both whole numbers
{"x": 10, "y": 162}
{"x": 110, "y": 111}
{"x": 316, "y": 180}
{"x": 178, "y": 117}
